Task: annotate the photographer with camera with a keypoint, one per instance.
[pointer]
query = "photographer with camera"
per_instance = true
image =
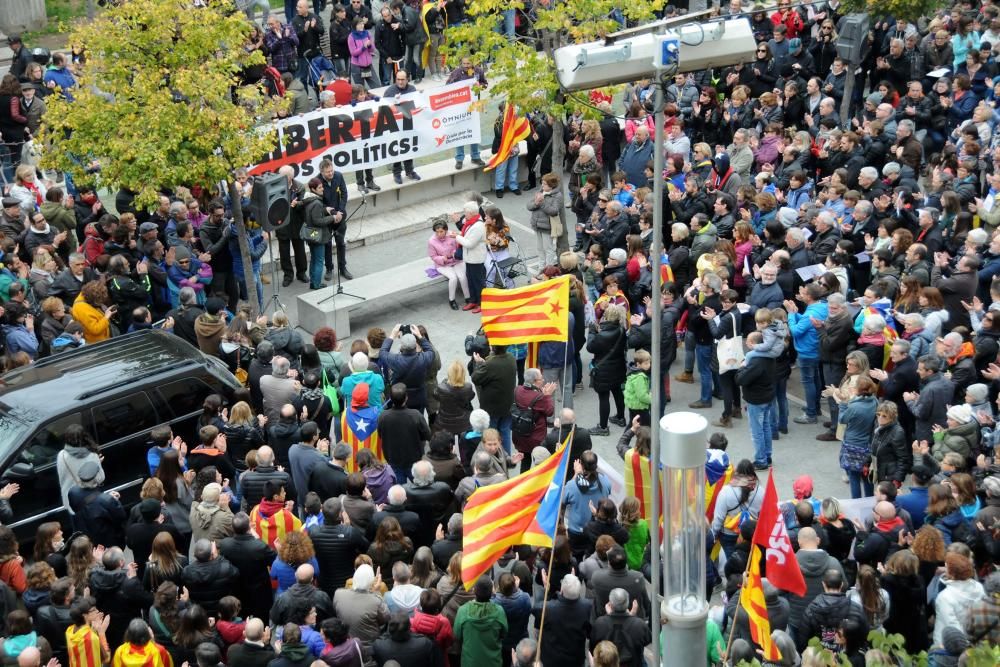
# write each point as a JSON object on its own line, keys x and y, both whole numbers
{"x": 408, "y": 366}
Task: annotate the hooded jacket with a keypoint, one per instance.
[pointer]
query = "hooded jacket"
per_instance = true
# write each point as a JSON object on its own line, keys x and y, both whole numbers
{"x": 813, "y": 563}
{"x": 963, "y": 440}
{"x": 211, "y": 522}
{"x": 209, "y": 329}
{"x": 951, "y": 607}
{"x": 68, "y": 464}
{"x": 481, "y": 627}
{"x": 579, "y": 492}
{"x": 823, "y": 617}
{"x": 375, "y": 382}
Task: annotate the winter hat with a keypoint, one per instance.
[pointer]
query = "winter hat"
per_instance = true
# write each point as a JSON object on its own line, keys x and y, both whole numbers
{"x": 874, "y": 98}
{"x": 891, "y": 168}
{"x": 9, "y": 202}
{"x": 408, "y": 342}
{"x": 794, "y": 44}
{"x": 538, "y": 454}
{"x": 181, "y": 253}
{"x": 788, "y": 216}
{"x": 721, "y": 163}
{"x": 210, "y": 494}
{"x": 359, "y": 397}
{"x": 922, "y": 473}
{"x": 978, "y": 392}
{"x": 954, "y": 640}
{"x": 149, "y": 509}
{"x": 148, "y": 227}
{"x": 89, "y": 471}
{"x": 618, "y": 254}
{"x": 802, "y": 487}
{"x": 960, "y": 413}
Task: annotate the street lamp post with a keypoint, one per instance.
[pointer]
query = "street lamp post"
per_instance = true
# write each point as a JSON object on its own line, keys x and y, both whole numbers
{"x": 684, "y": 606}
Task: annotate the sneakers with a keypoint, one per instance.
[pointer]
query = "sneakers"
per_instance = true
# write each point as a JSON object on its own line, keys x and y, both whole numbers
{"x": 698, "y": 405}
{"x": 617, "y": 421}
{"x": 723, "y": 422}
{"x": 685, "y": 377}
{"x": 827, "y": 437}
{"x": 599, "y": 430}
{"x": 458, "y": 164}
{"x": 805, "y": 419}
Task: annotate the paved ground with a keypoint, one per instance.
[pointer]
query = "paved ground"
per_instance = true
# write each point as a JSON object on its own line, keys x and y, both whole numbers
{"x": 794, "y": 454}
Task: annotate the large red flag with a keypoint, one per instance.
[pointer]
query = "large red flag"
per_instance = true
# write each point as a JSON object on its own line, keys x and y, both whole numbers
{"x": 782, "y": 567}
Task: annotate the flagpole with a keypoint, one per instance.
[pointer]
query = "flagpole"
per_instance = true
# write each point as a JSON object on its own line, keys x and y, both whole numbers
{"x": 743, "y": 583}
{"x": 552, "y": 549}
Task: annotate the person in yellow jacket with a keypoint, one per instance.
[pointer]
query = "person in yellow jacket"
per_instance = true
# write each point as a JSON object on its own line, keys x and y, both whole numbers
{"x": 139, "y": 649}
{"x": 86, "y": 641}
{"x": 92, "y": 311}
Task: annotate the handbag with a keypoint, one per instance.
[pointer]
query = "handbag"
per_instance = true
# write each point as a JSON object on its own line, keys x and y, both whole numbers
{"x": 594, "y": 367}
{"x": 330, "y": 391}
{"x": 730, "y": 350}
{"x": 556, "y": 225}
{"x": 312, "y": 235}
{"x": 241, "y": 373}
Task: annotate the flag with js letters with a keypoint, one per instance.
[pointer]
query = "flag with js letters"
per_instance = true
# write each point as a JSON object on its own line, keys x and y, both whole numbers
{"x": 782, "y": 566}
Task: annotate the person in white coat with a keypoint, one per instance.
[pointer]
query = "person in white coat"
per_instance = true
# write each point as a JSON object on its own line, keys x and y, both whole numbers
{"x": 951, "y": 607}
{"x": 472, "y": 238}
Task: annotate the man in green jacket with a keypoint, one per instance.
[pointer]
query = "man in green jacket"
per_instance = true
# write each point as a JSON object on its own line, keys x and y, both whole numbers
{"x": 480, "y": 626}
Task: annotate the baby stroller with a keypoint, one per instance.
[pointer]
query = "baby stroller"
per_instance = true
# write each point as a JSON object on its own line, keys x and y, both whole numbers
{"x": 504, "y": 267}
{"x": 322, "y": 72}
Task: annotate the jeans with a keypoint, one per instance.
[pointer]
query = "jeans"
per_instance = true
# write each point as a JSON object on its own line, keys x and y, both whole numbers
{"x": 460, "y": 152}
{"x": 810, "y": 374}
{"x": 316, "y": 267}
{"x": 728, "y": 542}
{"x": 263, "y": 5}
{"x": 833, "y": 374}
{"x": 302, "y": 74}
{"x": 402, "y": 474}
{"x": 260, "y": 289}
{"x": 290, "y": 10}
{"x": 508, "y": 23}
{"x": 413, "y": 58}
{"x": 556, "y": 375}
{"x": 503, "y": 425}
{"x": 372, "y": 82}
{"x": 857, "y": 481}
{"x": 779, "y": 407}
{"x": 704, "y": 355}
{"x": 506, "y": 172}
{"x": 688, "y": 351}
{"x": 759, "y": 417}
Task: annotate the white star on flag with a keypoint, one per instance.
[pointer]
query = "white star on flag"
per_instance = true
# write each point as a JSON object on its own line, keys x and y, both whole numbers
{"x": 362, "y": 425}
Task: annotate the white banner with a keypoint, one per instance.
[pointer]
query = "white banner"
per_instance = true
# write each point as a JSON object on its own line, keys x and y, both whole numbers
{"x": 376, "y": 133}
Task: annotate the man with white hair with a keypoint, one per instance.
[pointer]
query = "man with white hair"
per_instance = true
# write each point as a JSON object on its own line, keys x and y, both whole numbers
{"x": 959, "y": 357}
{"x": 432, "y": 501}
{"x": 827, "y": 235}
{"x": 288, "y": 235}
{"x": 534, "y": 402}
{"x": 362, "y": 373}
{"x": 567, "y": 624}
{"x": 634, "y": 630}
{"x": 907, "y": 149}
{"x": 278, "y": 388}
{"x": 957, "y": 286}
{"x": 581, "y": 443}
{"x": 409, "y": 365}
{"x": 472, "y": 239}
{"x": 364, "y": 612}
{"x": 396, "y": 508}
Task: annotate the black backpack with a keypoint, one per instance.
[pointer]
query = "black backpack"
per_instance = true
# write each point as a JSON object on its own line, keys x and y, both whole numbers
{"x": 621, "y": 642}
{"x": 522, "y": 420}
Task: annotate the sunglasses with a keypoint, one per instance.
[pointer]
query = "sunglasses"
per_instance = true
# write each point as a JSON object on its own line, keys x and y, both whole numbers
{"x": 603, "y": 201}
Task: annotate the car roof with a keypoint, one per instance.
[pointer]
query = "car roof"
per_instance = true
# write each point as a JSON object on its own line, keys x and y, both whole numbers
{"x": 54, "y": 383}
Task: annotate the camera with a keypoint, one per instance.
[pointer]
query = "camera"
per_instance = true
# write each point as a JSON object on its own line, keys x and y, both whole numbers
{"x": 405, "y": 329}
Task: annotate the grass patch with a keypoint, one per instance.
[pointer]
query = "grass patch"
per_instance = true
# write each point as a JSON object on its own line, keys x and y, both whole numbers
{"x": 61, "y": 15}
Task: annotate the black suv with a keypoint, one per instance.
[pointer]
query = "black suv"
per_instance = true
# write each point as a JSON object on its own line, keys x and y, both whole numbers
{"x": 117, "y": 390}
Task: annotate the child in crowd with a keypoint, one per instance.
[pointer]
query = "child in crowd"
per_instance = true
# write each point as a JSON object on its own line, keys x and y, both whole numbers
{"x": 637, "y": 388}
{"x": 314, "y": 511}
{"x": 638, "y": 531}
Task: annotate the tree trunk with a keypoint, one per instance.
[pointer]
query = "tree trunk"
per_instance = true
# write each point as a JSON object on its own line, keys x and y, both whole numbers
{"x": 558, "y": 146}
{"x": 241, "y": 230}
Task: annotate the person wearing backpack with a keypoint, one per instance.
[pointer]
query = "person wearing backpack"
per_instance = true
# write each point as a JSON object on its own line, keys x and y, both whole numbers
{"x": 621, "y": 626}
{"x": 739, "y": 501}
{"x": 532, "y": 407}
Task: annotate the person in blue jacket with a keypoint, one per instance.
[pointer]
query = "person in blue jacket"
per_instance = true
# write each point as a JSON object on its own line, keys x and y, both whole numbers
{"x": 19, "y": 330}
{"x": 587, "y": 486}
{"x": 805, "y": 336}
{"x": 257, "y": 240}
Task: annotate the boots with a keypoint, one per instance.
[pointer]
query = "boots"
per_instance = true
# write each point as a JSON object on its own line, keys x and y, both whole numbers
{"x": 686, "y": 376}
{"x": 723, "y": 422}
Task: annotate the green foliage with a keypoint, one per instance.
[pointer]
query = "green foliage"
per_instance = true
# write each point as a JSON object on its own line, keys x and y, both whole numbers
{"x": 911, "y": 10}
{"x": 154, "y": 102}
{"x": 518, "y": 72}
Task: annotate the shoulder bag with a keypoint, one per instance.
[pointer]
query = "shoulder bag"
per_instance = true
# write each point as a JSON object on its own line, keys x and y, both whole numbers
{"x": 730, "y": 350}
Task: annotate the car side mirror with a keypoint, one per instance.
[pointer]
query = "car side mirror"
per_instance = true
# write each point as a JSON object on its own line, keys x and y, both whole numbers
{"x": 19, "y": 472}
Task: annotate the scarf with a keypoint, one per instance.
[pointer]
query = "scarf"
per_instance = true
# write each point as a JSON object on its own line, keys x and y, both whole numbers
{"x": 359, "y": 36}
{"x": 312, "y": 394}
{"x": 907, "y": 335}
{"x": 38, "y": 195}
{"x": 467, "y": 225}
{"x": 967, "y": 350}
{"x": 720, "y": 182}
{"x": 872, "y": 339}
{"x": 887, "y": 525}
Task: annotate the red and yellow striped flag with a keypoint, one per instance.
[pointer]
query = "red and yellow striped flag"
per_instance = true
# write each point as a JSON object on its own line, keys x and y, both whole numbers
{"x": 524, "y": 314}
{"x": 273, "y": 527}
{"x": 752, "y": 600}
{"x": 513, "y": 132}
{"x": 531, "y": 358}
{"x": 521, "y": 510}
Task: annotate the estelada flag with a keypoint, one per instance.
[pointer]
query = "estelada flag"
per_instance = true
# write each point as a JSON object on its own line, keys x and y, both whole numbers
{"x": 524, "y": 314}
{"x": 359, "y": 425}
{"x": 782, "y": 567}
{"x": 753, "y": 602}
{"x": 521, "y": 510}
{"x": 149, "y": 655}
{"x": 514, "y": 130}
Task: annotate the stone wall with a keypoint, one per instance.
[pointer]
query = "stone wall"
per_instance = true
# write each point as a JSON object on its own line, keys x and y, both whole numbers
{"x": 19, "y": 15}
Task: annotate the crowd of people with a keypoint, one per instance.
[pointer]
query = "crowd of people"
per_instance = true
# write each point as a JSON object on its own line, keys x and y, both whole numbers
{"x": 290, "y": 532}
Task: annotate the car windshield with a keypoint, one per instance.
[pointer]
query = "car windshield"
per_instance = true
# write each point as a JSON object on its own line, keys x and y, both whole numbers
{"x": 13, "y": 431}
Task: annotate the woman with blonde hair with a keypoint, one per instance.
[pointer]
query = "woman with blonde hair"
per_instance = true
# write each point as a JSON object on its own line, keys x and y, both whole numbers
{"x": 54, "y": 319}
{"x": 454, "y": 395}
{"x": 27, "y": 189}
{"x": 840, "y": 530}
{"x": 608, "y": 345}
{"x": 244, "y": 433}
{"x": 43, "y": 272}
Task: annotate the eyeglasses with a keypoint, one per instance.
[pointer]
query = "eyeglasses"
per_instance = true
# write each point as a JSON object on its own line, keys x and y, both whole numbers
{"x": 603, "y": 201}
{"x": 761, "y": 50}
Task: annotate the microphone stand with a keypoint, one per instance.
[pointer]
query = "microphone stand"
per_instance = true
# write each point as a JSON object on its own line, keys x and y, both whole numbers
{"x": 339, "y": 290}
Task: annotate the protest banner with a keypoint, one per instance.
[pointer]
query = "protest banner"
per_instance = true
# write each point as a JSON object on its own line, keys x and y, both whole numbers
{"x": 376, "y": 133}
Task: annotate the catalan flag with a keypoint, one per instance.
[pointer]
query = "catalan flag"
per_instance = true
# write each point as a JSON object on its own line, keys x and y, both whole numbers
{"x": 522, "y": 510}
{"x": 536, "y": 312}
{"x": 531, "y": 359}
{"x": 359, "y": 425}
{"x": 513, "y": 131}
{"x": 83, "y": 646}
{"x": 639, "y": 481}
{"x": 148, "y": 655}
{"x": 666, "y": 273}
{"x": 271, "y": 521}
{"x": 752, "y": 601}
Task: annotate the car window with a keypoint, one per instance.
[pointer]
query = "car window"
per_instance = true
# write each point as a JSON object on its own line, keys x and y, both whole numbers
{"x": 47, "y": 442}
{"x": 185, "y": 396}
{"x": 122, "y": 417}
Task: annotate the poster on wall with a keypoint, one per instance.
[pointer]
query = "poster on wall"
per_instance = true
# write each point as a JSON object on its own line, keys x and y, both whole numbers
{"x": 376, "y": 133}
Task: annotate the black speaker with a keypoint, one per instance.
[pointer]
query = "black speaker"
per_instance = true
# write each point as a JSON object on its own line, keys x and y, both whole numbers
{"x": 270, "y": 201}
{"x": 852, "y": 40}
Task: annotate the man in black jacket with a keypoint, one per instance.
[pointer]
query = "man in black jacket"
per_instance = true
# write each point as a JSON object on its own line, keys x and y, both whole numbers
{"x": 433, "y": 502}
{"x": 335, "y": 199}
{"x": 214, "y": 235}
{"x": 620, "y": 625}
{"x": 568, "y": 617}
{"x": 67, "y": 285}
{"x": 258, "y": 368}
{"x": 185, "y": 314}
{"x": 309, "y": 29}
{"x": 757, "y": 380}
{"x": 251, "y": 557}
{"x": 617, "y": 575}
{"x": 210, "y": 577}
{"x": 403, "y": 432}
{"x": 901, "y": 379}
{"x": 401, "y": 645}
{"x": 337, "y": 544}
{"x": 396, "y": 508}
{"x": 827, "y": 611}
{"x": 139, "y": 536}
{"x": 254, "y": 650}
{"x": 581, "y": 438}
{"x": 97, "y": 513}
{"x": 409, "y": 365}
{"x": 329, "y": 480}
{"x": 52, "y": 620}
{"x": 117, "y": 590}
{"x": 698, "y": 301}
{"x": 836, "y": 338}
{"x": 302, "y": 591}
{"x": 252, "y": 482}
